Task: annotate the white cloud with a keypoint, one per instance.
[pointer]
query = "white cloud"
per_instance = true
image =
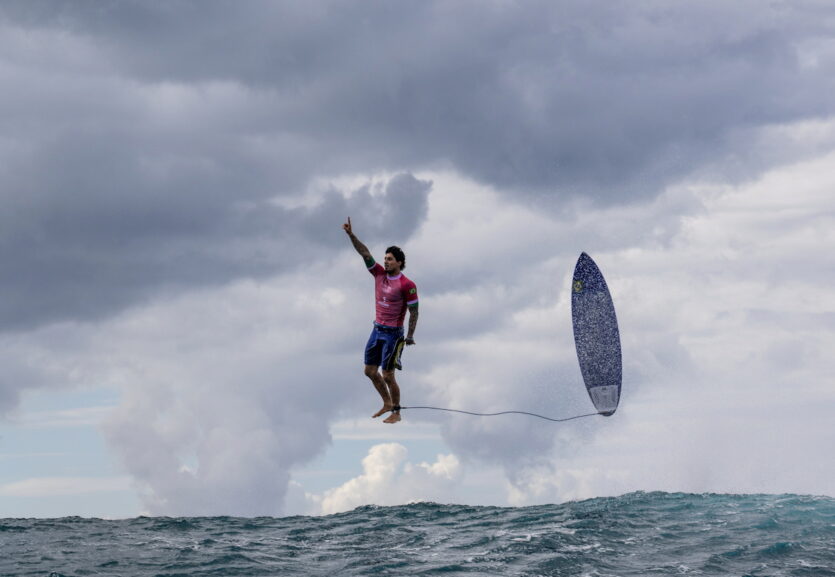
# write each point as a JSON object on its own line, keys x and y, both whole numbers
{"x": 217, "y": 414}
{"x": 389, "y": 479}
{"x": 728, "y": 332}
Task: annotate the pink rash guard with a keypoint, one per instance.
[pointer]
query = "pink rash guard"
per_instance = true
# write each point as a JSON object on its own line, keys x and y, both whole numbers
{"x": 392, "y": 296}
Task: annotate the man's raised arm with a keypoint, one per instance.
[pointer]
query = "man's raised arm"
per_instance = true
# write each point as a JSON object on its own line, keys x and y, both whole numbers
{"x": 361, "y": 248}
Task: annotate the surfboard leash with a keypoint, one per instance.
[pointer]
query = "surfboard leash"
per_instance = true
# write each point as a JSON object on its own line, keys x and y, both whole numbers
{"x": 504, "y": 413}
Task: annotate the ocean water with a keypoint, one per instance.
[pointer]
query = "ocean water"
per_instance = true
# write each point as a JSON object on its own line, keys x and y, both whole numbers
{"x": 636, "y": 534}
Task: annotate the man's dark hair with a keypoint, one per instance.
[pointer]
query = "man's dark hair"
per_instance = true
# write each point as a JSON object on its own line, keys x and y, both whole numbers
{"x": 398, "y": 255}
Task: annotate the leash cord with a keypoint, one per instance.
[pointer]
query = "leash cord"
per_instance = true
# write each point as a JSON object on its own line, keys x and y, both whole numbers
{"x": 504, "y": 413}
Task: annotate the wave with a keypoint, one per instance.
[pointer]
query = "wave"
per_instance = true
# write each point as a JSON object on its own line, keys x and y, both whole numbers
{"x": 634, "y": 534}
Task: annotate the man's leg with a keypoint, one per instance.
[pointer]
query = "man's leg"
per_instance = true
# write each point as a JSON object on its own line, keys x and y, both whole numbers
{"x": 394, "y": 390}
{"x": 380, "y": 385}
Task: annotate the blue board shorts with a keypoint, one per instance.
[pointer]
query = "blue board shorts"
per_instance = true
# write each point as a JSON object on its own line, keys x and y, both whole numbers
{"x": 384, "y": 347}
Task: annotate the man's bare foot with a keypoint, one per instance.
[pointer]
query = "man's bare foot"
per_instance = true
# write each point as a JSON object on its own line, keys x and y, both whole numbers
{"x": 383, "y": 411}
{"x": 393, "y": 418}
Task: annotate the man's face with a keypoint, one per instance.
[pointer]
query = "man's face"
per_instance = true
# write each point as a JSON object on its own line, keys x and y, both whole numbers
{"x": 390, "y": 263}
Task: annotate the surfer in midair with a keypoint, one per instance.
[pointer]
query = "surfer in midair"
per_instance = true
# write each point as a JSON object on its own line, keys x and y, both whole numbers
{"x": 394, "y": 294}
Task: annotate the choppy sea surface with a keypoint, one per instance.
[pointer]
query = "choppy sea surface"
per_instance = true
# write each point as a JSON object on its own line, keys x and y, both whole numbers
{"x": 635, "y": 534}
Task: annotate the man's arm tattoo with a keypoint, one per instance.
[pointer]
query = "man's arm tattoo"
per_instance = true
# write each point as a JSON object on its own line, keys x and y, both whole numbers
{"x": 413, "y": 318}
{"x": 363, "y": 250}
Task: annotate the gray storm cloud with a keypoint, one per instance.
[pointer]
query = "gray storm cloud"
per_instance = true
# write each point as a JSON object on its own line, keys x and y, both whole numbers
{"x": 137, "y": 167}
{"x": 590, "y": 98}
{"x": 89, "y": 255}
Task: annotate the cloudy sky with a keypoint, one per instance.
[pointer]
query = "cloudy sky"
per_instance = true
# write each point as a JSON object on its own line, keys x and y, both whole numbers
{"x": 183, "y": 318}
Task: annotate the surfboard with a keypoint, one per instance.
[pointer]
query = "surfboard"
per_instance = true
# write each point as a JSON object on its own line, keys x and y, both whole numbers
{"x": 596, "y": 336}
